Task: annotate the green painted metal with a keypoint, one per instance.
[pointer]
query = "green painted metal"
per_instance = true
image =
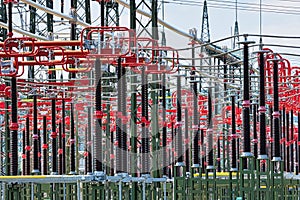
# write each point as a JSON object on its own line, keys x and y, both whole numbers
{"x": 243, "y": 184}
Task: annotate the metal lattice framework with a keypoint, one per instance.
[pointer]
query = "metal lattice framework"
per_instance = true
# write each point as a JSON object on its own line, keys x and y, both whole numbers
{"x": 82, "y": 94}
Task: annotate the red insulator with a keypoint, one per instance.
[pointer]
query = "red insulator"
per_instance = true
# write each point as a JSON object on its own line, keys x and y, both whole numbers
{"x": 53, "y": 135}
{"x": 14, "y": 126}
{"x": 246, "y": 104}
{"x": 178, "y": 124}
{"x": 2, "y": 87}
{"x": 45, "y": 146}
{"x": 169, "y": 125}
{"x": 276, "y": 114}
{"x": 165, "y": 124}
{"x": 227, "y": 120}
{"x": 11, "y": 1}
{"x": 113, "y": 128}
{"x": 282, "y": 140}
{"x": 255, "y": 141}
{"x": 60, "y": 151}
{"x": 263, "y": 161}
{"x": 271, "y": 140}
{"x": 195, "y": 127}
{"x": 262, "y": 109}
{"x": 295, "y": 136}
{"x": 235, "y": 136}
{"x": 27, "y": 148}
{"x": 99, "y": 114}
{"x": 116, "y": 143}
{"x": 147, "y": 123}
{"x": 35, "y": 137}
{"x": 203, "y": 112}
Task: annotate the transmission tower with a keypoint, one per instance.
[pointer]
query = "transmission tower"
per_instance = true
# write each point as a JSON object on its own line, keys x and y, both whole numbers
{"x": 205, "y": 35}
{"x": 236, "y": 38}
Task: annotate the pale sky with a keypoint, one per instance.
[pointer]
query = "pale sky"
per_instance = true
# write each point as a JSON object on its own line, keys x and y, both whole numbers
{"x": 283, "y": 19}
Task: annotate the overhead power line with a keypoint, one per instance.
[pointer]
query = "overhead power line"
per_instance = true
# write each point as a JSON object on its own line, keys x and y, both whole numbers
{"x": 241, "y": 6}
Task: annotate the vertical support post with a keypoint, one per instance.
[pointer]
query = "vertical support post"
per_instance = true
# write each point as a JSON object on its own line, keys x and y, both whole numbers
{"x": 119, "y": 120}
{"x": 124, "y": 147}
{"x": 276, "y": 121}
{"x": 246, "y": 103}
{"x": 73, "y": 34}
{"x": 45, "y": 147}
{"x": 60, "y": 148}
{"x": 276, "y": 170}
{"x": 225, "y": 127}
{"x": 298, "y": 145}
{"x": 186, "y": 140}
{"x": 262, "y": 107}
{"x": 98, "y": 119}
{"x": 246, "y": 160}
{"x": 72, "y": 142}
{"x": 164, "y": 129}
{"x": 63, "y": 139}
{"x": 292, "y": 142}
{"x": 28, "y": 146}
{"x": 89, "y": 163}
{"x": 54, "y": 137}
{"x": 178, "y": 142}
{"x": 255, "y": 148}
{"x": 35, "y": 137}
{"x": 233, "y": 136}
{"x": 288, "y": 138}
{"x": 263, "y": 164}
{"x": 14, "y": 109}
{"x": 145, "y": 123}
{"x": 195, "y": 124}
{"x": 209, "y": 134}
{"x": 284, "y": 136}
{"x": 155, "y": 134}
{"x": 23, "y": 153}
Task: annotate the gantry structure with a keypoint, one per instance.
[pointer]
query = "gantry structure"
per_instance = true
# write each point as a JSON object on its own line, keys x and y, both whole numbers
{"x": 95, "y": 109}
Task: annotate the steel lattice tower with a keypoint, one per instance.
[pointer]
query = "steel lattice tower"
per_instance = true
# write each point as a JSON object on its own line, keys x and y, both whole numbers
{"x": 205, "y": 35}
{"x": 236, "y": 38}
